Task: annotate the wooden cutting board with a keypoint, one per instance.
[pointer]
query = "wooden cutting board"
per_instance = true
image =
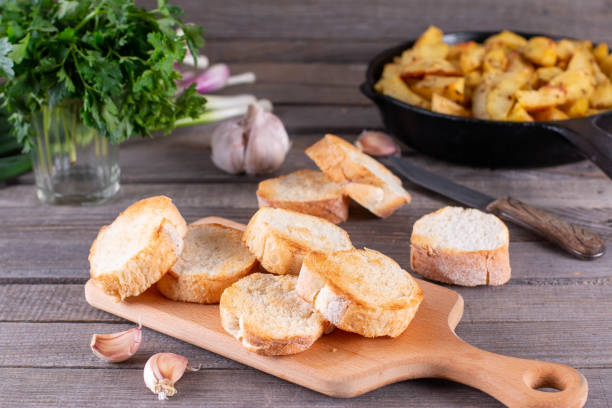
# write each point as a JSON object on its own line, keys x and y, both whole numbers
{"x": 343, "y": 364}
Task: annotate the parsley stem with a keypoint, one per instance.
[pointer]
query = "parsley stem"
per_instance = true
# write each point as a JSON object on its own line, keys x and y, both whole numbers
{"x": 88, "y": 17}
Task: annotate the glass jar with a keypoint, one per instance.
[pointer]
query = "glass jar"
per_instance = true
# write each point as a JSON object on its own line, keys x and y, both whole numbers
{"x": 73, "y": 164}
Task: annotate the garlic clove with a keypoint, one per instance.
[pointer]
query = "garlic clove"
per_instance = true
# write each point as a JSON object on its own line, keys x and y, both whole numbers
{"x": 117, "y": 347}
{"x": 228, "y": 145}
{"x": 162, "y": 371}
{"x": 376, "y": 143}
{"x": 268, "y": 142}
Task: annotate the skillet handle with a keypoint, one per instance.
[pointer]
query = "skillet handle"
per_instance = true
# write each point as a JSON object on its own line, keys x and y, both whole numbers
{"x": 572, "y": 238}
{"x": 591, "y": 140}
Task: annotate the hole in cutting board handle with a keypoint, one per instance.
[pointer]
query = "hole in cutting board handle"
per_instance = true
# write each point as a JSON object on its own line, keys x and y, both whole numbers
{"x": 545, "y": 380}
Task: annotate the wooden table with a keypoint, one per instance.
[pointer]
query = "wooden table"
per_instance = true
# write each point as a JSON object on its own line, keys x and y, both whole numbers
{"x": 309, "y": 61}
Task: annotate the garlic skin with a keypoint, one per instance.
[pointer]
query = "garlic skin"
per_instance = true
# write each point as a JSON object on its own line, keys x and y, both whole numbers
{"x": 162, "y": 371}
{"x": 228, "y": 144}
{"x": 376, "y": 143}
{"x": 268, "y": 142}
{"x": 117, "y": 347}
{"x": 256, "y": 144}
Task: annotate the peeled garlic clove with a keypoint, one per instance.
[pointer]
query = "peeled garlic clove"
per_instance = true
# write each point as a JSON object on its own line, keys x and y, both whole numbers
{"x": 268, "y": 142}
{"x": 116, "y": 347}
{"x": 376, "y": 143}
{"x": 162, "y": 371}
{"x": 228, "y": 144}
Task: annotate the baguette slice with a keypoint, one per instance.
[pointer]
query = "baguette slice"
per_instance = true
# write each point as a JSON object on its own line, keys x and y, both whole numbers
{"x": 213, "y": 258}
{"x": 364, "y": 179}
{"x": 138, "y": 248}
{"x": 306, "y": 191}
{"x": 264, "y": 313}
{"x": 281, "y": 238}
{"x": 361, "y": 291}
{"x": 461, "y": 246}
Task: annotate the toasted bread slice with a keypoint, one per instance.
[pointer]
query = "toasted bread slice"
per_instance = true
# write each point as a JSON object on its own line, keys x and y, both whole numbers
{"x": 306, "y": 191}
{"x": 281, "y": 238}
{"x": 364, "y": 179}
{"x": 264, "y": 313}
{"x": 361, "y": 291}
{"x": 213, "y": 258}
{"x": 138, "y": 248}
{"x": 461, "y": 246}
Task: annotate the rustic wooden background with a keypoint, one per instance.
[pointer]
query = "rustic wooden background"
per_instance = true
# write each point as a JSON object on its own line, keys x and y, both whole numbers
{"x": 309, "y": 58}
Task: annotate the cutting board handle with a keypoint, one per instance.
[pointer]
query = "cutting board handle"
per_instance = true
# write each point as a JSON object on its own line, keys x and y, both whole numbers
{"x": 513, "y": 381}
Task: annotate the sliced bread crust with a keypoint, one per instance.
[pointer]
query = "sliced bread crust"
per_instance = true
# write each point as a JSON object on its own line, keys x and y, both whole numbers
{"x": 213, "y": 258}
{"x": 306, "y": 191}
{"x": 138, "y": 248}
{"x": 363, "y": 178}
{"x": 265, "y": 314}
{"x": 280, "y": 238}
{"x": 486, "y": 261}
{"x": 361, "y": 291}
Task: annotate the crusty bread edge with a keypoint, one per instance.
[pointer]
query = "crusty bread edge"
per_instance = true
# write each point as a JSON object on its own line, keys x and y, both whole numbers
{"x": 264, "y": 345}
{"x": 330, "y": 156}
{"x": 197, "y": 288}
{"x": 146, "y": 267}
{"x": 275, "y": 253}
{"x": 334, "y": 209}
{"x": 348, "y": 315}
{"x": 465, "y": 268}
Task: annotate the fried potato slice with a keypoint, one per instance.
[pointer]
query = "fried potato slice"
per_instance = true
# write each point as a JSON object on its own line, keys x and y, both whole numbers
{"x": 507, "y": 39}
{"x": 543, "y": 98}
{"x": 545, "y": 74}
{"x": 606, "y": 65}
{"x": 396, "y": 88}
{"x": 601, "y": 51}
{"x": 602, "y": 96}
{"x": 519, "y": 114}
{"x": 421, "y": 67}
{"x": 391, "y": 70}
{"x": 495, "y": 60}
{"x": 577, "y": 108}
{"x": 541, "y": 51}
{"x": 565, "y": 49}
{"x": 516, "y": 63}
{"x": 501, "y": 97}
{"x": 480, "y": 94}
{"x": 444, "y": 105}
{"x": 432, "y": 51}
{"x": 469, "y": 55}
{"x": 433, "y": 35}
{"x": 452, "y": 88}
{"x": 577, "y": 84}
{"x": 473, "y": 79}
{"x": 549, "y": 114}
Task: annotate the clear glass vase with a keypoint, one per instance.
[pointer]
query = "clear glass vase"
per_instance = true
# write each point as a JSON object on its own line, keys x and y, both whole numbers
{"x": 72, "y": 163}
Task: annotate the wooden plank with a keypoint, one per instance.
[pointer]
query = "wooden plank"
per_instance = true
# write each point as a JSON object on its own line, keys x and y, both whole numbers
{"x": 37, "y": 255}
{"x": 393, "y": 19}
{"x": 581, "y": 344}
{"x": 26, "y": 387}
{"x": 24, "y": 213}
{"x": 251, "y": 51}
{"x": 561, "y": 300}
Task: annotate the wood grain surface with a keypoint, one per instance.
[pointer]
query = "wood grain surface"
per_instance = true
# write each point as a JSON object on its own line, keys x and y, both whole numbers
{"x": 310, "y": 58}
{"x": 347, "y": 365}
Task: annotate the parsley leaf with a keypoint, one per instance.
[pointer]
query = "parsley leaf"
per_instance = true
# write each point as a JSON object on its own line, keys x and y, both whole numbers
{"x": 113, "y": 57}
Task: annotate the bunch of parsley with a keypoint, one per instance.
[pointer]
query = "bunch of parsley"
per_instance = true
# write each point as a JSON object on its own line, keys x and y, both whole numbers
{"x": 115, "y": 59}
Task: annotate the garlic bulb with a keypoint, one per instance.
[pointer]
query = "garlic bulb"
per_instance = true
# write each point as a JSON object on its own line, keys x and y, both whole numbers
{"x": 162, "y": 371}
{"x": 116, "y": 347}
{"x": 257, "y": 143}
{"x": 376, "y": 143}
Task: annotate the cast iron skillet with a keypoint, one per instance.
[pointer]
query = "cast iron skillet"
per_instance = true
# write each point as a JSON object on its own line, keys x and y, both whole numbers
{"x": 489, "y": 143}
